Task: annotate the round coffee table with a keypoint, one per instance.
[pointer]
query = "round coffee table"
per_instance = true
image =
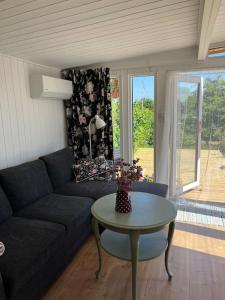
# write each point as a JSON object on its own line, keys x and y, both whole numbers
{"x": 135, "y": 236}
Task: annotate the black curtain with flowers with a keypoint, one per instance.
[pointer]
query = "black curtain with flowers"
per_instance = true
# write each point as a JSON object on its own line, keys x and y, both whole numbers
{"x": 91, "y": 96}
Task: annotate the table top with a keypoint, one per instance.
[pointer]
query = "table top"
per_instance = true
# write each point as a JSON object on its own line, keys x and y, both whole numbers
{"x": 148, "y": 211}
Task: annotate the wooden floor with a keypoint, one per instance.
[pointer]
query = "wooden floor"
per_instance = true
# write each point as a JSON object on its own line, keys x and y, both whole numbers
{"x": 197, "y": 260}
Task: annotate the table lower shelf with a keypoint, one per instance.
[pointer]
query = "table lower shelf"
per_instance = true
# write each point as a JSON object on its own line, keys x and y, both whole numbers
{"x": 118, "y": 244}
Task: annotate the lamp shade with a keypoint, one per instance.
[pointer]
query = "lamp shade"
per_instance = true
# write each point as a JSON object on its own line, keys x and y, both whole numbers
{"x": 99, "y": 123}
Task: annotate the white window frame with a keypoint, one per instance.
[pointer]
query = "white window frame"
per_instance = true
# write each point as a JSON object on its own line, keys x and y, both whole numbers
{"x": 132, "y": 73}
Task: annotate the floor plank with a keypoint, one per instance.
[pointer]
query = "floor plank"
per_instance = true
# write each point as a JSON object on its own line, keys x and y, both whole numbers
{"x": 197, "y": 261}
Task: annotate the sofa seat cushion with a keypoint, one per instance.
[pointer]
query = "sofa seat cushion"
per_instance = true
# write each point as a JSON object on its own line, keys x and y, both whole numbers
{"x": 64, "y": 210}
{"x": 59, "y": 165}
{"x": 93, "y": 189}
{"x": 29, "y": 244}
{"x": 98, "y": 189}
{"x": 25, "y": 183}
{"x": 5, "y": 207}
{"x": 152, "y": 188}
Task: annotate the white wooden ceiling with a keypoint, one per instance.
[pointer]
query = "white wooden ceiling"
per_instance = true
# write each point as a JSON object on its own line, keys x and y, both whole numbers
{"x": 219, "y": 28}
{"x": 65, "y": 33}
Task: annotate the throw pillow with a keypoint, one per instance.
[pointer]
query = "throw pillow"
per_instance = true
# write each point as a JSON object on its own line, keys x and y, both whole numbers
{"x": 92, "y": 169}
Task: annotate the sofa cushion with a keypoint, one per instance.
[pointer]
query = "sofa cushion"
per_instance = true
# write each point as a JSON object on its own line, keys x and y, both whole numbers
{"x": 46, "y": 276}
{"x": 25, "y": 183}
{"x": 5, "y": 208}
{"x": 93, "y": 189}
{"x": 65, "y": 210}
{"x": 152, "y": 188}
{"x": 59, "y": 166}
{"x": 29, "y": 245}
{"x": 98, "y": 189}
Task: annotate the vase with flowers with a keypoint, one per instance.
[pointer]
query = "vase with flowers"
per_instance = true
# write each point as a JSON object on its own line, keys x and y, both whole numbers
{"x": 125, "y": 174}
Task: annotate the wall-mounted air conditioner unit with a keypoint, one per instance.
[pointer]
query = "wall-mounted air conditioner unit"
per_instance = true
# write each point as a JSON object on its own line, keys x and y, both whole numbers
{"x": 46, "y": 87}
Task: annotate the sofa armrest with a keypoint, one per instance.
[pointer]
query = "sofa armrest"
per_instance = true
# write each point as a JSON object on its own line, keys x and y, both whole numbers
{"x": 152, "y": 188}
{"x": 2, "y": 289}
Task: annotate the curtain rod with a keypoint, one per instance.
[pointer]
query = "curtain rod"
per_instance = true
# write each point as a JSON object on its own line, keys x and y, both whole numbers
{"x": 70, "y": 68}
{"x": 85, "y": 67}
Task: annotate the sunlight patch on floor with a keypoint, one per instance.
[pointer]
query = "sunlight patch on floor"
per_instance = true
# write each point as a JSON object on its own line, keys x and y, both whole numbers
{"x": 201, "y": 241}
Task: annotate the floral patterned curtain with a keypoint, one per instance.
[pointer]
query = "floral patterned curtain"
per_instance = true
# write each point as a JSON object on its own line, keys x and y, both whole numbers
{"x": 91, "y": 96}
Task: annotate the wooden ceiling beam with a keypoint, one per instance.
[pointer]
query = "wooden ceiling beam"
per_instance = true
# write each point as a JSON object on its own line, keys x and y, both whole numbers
{"x": 208, "y": 14}
{"x": 216, "y": 50}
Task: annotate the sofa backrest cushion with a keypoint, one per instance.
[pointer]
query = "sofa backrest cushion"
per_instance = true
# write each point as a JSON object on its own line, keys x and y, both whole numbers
{"x": 5, "y": 207}
{"x": 59, "y": 165}
{"x": 25, "y": 183}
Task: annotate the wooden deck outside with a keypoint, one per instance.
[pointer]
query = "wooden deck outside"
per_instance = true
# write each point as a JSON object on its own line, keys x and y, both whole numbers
{"x": 212, "y": 179}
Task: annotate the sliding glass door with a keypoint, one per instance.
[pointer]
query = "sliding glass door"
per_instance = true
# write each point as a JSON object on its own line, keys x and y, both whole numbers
{"x": 187, "y": 133}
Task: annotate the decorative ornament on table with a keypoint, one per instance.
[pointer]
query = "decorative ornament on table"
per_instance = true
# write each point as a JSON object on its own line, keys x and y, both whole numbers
{"x": 125, "y": 174}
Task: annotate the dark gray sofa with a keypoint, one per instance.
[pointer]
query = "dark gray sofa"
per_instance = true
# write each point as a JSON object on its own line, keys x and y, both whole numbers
{"x": 62, "y": 179}
{"x": 44, "y": 219}
{"x": 41, "y": 230}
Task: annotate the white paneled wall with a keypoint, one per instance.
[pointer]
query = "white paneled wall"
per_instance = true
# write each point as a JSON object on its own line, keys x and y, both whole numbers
{"x": 28, "y": 127}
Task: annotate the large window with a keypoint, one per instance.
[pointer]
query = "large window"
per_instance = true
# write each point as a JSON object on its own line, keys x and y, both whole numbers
{"x": 143, "y": 121}
{"x": 115, "y": 98}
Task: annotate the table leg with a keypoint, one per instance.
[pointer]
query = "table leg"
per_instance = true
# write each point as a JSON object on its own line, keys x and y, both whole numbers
{"x": 95, "y": 228}
{"x": 134, "y": 243}
{"x": 169, "y": 239}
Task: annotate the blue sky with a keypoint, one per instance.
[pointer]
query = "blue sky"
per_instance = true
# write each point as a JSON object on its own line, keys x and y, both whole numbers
{"x": 208, "y": 74}
{"x": 143, "y": 87}
{"x": 217, "y": 54}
